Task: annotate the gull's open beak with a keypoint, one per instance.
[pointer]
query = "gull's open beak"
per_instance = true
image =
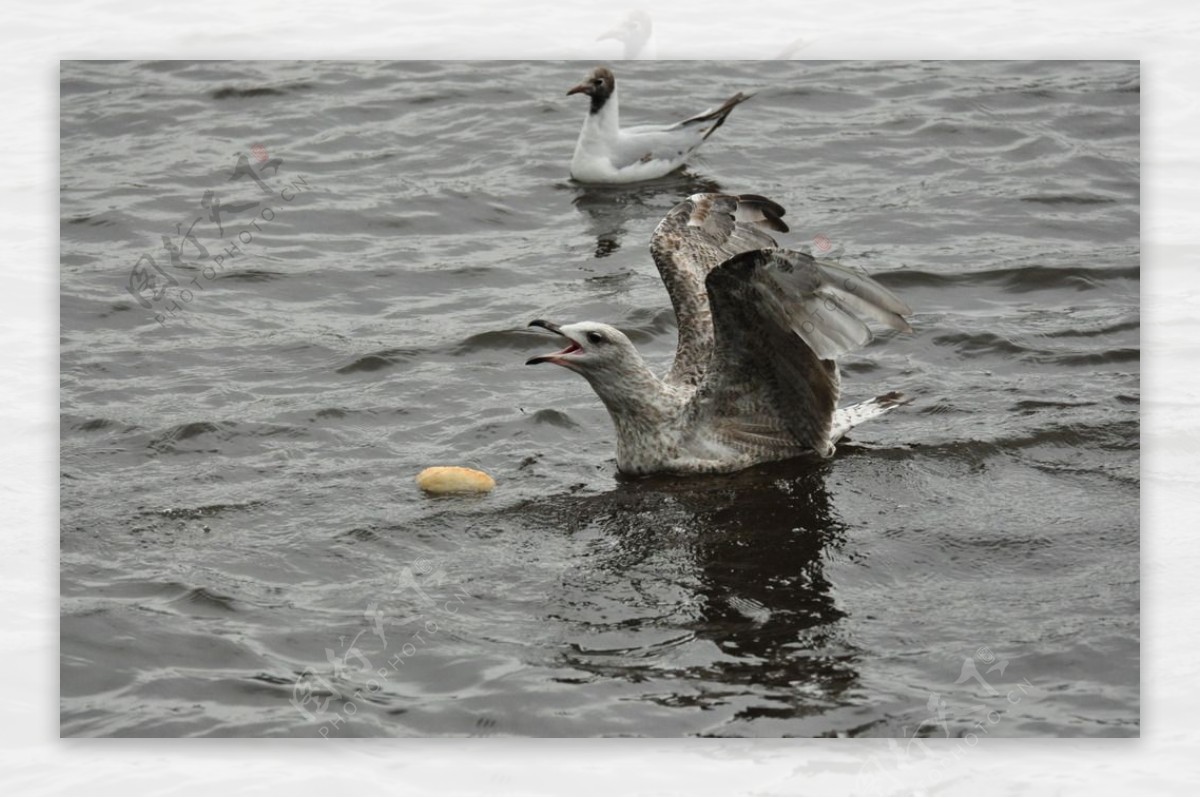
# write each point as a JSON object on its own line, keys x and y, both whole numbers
{"x": 582, "y": 88}
{"x": 553, "y": 357}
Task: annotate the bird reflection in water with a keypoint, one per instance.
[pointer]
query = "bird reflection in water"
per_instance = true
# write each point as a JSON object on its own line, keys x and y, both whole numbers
{"x": 716, "y": 580}
{"x": 607, "y": 210}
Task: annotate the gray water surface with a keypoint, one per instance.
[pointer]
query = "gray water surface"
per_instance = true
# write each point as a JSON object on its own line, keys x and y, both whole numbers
{"x": 244, "y": 550}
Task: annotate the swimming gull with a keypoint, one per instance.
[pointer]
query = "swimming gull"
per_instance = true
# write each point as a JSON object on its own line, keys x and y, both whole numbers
{"x": 606, "y": 153}
{"x": 754, "y": 377}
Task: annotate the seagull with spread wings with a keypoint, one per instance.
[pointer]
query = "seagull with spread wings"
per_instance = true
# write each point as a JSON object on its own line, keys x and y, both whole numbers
{"x": 607, "y": 153}
{"x": 754, "y": 377}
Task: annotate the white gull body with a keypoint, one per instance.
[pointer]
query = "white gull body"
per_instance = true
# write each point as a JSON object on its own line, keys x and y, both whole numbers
{"x": 754, "y": 378}
{"x": 607, "y": 153}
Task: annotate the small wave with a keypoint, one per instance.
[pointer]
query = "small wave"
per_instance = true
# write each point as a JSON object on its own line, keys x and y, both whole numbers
{"x": 1068, "y": 199}
{"x": 359, "y": 535}
{"x": 1117, "y": 435}
{"x": 429, "y": 99}
{"x": 915, "y": 278}
{"x": 95, "y": 424}
{"x": 1031, "y": 278}
{"x": 1107, "y": 329}
{"x": 270, "y": 678}
{"x": 1112, "y": 436}
{"x": 1034, "y": 405}
{"x": 1123, "y": 355}
{"x": 978, "y": 343}
{"x": 377, "y": 361}
{"x": 554, "y": 418}
{"x": 92, "y": 221}
{"x": 168, "y": 440}
{"x": 183, "y": 432}
{"x": 518, "y": 339}
{"x": 1017, "y": 279}
{"x": 250, "y": 276}
{"x": 204, "y": 511}
{"x": 232, "y": 92}
{"x": 974, "y": 344}
{"x": 205, "y": 599}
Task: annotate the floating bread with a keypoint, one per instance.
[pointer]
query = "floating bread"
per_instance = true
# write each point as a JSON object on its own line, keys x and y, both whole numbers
{"x": 454, "y": 479}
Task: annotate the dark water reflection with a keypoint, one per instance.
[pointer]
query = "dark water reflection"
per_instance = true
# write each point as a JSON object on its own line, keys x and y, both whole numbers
{"x": 610, "y": 209}
{"x": 730, "y": 565}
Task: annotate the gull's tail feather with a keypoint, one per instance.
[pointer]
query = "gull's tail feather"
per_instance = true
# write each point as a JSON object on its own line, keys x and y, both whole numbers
{"x": 719, "y": 113}
{"x": 846, "y": 418}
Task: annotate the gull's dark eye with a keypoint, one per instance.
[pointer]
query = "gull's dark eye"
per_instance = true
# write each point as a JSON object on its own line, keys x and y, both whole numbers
{"x": 595, "y": 338}
{"x": 597, "y": 82}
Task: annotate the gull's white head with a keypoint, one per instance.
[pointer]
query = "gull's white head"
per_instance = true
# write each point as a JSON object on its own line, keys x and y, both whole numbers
{"x": 607, "y": 359}
{"x": 593, "y": 349}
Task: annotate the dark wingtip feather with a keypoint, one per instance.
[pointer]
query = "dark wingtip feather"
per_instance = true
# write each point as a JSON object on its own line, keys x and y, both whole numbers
{"x": 759, "y": 199}
{"x": 769, "y": 211}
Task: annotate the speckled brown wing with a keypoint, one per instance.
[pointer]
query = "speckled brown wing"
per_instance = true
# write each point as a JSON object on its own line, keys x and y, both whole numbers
{"x": 780, "y": 318}
{"x": 695, "y": 237}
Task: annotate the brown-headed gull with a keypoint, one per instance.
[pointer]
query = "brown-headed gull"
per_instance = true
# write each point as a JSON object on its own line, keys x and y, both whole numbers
{"x": 754, "y": 377}
{"x": 608, "y": 153}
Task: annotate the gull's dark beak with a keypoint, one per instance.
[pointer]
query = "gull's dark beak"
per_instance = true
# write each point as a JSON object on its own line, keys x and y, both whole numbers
{"x": 546, "y": 325}
{"x": 551, "y": 358}
{"x": 582, "y": 88}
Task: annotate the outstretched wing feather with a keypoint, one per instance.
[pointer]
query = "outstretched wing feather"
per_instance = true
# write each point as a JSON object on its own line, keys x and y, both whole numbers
{"x": 779, "y": 318}
{"x": 695, "y": 237}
